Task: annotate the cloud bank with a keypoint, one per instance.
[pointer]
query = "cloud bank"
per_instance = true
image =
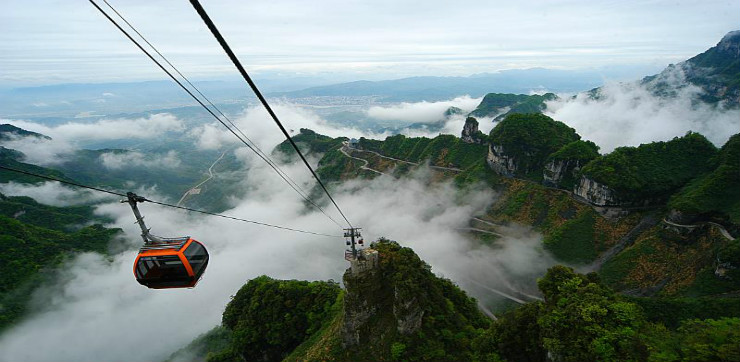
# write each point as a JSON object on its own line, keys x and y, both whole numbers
{"x": 53, "y": 193}
{"x": 69, "y": 137}
{"x": 95, "y": 310}
{"x": 117, "y": 161}
{"x": 422, "y": 112}
{"x": 629, "y": 114}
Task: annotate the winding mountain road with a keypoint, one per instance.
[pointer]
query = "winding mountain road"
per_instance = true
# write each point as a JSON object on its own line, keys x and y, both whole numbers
{"x": 346, "y": 147}
{"x": 721, "y": 228}
{"x": 364, "y": 166}
{"x": 196, "y": 190}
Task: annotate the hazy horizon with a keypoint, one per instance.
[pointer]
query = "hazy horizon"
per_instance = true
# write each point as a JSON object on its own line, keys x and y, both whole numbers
{"x": 355, "y": 41}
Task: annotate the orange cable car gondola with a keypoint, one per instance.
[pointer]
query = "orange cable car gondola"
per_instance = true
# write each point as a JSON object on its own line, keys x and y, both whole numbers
{"x": 167, "y": 262}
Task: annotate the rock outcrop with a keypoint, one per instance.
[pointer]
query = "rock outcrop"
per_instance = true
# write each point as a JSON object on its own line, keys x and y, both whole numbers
{"x": 470, "y": 132}
{"x": 368, "y": 301}
{"x": 599, "y": 194}
{"x": 595, "y": 192}
{"x": 500, "y": 162}
{"x": 395, "y": 302}
{"x": 556, "y": 170}
{"x": 521, "y": 144}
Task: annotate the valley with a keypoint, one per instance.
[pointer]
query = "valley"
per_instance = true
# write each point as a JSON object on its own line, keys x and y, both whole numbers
{"x": 496, "y": 229}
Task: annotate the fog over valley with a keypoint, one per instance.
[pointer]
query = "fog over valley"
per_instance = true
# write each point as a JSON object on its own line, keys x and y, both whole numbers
{"x": 483, "y": 181}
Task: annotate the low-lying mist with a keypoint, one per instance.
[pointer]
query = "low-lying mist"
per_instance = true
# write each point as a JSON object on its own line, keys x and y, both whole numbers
{"x": 629, "y": 114}
{"x": 94, "y": 309}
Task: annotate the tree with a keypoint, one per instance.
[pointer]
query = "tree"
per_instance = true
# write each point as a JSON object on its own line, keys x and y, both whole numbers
{"x": 585, "y": 321}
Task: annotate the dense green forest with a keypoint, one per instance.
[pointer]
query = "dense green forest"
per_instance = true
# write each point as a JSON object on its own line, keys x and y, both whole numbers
{"x": 716, "y": 194}
{"x": 268, "y": 318}
{"x": 309, "y": 142}
{"x": 13, "y": 159}
{"x": 35, "y": 238}
{"x": 580, "y": 319}
{"x": 494, "y": 103}
{"x": 654, "y": 170}
{"x": 443, "y": 150}
{"x": 530, "y": 139}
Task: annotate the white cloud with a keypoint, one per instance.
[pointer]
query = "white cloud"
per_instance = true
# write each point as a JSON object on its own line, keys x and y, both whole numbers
{"x": 67, "y": 137}
{"x": 52, "y": 193}
{"x": 116, "y": 161}
{"x": 106, "y": 129}
{"x": 358, "y": 37}
{"x": 41, "y": 151}
{"x": 422, "y": 112}
{"x": 259, "y": 127}
{"x": 95, "y": 300}
{"x": 629, "y": 115}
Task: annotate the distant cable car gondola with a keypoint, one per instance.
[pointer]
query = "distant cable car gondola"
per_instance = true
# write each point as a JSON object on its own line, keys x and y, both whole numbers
{"x": 167, "y": 262}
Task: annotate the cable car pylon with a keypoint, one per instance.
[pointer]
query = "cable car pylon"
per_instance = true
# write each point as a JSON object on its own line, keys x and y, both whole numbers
{"x": 353, "y": 239}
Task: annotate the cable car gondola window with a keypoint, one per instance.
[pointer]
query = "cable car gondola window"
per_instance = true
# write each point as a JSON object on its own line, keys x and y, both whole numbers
{"x": 197, "y": 256}
{"x": 165, "y": 268}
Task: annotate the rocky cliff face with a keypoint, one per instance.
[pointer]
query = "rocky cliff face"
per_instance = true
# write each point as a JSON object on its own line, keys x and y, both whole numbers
{"x": 373, "y": 307}
{"x": 558, "y": 170}
{"x": 595, "y": 192}
{"x": 500, "y": 162}
{"x": 470, "y": 132}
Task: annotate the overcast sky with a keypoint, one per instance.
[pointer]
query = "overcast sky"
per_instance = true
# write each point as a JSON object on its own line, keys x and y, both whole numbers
{"x": 61, "y": 41}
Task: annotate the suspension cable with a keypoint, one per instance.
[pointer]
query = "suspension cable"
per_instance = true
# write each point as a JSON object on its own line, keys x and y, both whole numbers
{"x": 248, "y": 79}
{"x": 254, "y": 144}
{"x": 49, "y": 178}
{"x": 271, "y": 164}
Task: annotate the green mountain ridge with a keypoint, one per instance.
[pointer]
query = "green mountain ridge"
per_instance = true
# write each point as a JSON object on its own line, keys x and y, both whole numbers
{"x": 395, "y": 309}
{"x": 35, "y": 238}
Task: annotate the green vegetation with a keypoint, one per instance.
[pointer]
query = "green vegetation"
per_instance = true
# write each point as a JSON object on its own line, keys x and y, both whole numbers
{"x": 382, "y": 308}
{"x": 204, "y": 346}
{"x": 452, "y": 111}
{"x": 443, "y": 150}
{"x": 27, "y": 249}
{"x": 13, "y": 159}
{"x": 574, "y": 155}
{"x": 9, "y": 132}
{"x": 670, "y": 264}
{"x": 451, "y": 319}
{"x": 654, "y": 170}
{"x": 580, "y": 150}
{"x": 530, "y": 139}
{"x": 27, "y": 210}
{"x": 494, "y": 103}
{"x": 672, "y": 311}
{"x": 716, "y": 194}
{"x": 269, "y": 318}
{"x": 314, "y": 143}
{"x": 720, "y": 71}
{"x": 583, "y": 320}
{"x": 573, "y": 241}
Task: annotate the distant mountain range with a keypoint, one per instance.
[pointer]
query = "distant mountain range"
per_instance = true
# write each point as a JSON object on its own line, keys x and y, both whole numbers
{"x": 716, "y": 72}
{"x": 441, "y": 88}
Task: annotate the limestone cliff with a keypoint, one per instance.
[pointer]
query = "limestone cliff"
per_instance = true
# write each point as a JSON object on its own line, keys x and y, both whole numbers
{"x": 395, "y": 308}
{"x": 521, "y": 144}
{"x": 596, "y": 193}
{"x": 470, "y": 132}
{"x": 557, "y": 170}
{"x": 563, "y": 167}
{"x": 500, "y": 162}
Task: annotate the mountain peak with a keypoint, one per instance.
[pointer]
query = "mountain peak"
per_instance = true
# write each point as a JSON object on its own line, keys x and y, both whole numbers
{"x": 731, "y": 36}
{"x": 730, "y": 44}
